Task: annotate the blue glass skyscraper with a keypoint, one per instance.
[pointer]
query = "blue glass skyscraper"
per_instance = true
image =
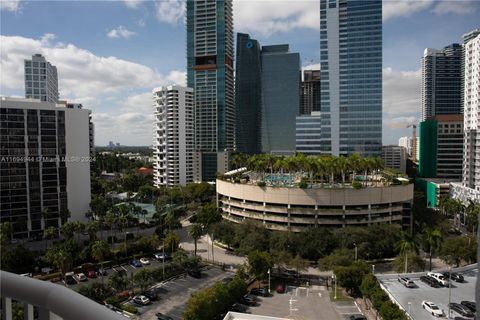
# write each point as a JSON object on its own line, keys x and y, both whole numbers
{"x": 351, "y": 76}
{"x": 210, "y": 74}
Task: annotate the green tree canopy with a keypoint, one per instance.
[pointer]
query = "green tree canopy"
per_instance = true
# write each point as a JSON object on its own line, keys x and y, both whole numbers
{"x": 259, "y": 262}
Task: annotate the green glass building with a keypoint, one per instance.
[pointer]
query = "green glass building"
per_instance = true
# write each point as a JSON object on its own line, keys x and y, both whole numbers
{"x": 210, "y": 74}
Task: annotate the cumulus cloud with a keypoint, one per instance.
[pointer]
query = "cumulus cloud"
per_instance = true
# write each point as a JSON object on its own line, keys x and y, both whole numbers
{"x": 271, "y": 16}
{"x": 10, "y": 5}
{"x": 120, "y": 32}
{"x": 95, "y": 81}
{"x": 400, "y": 8}
{"x": 401, "y": 91}
{"x": 133, "y": 3}
{"x": 170, "y": 11}
{"x": 457, "y": 7}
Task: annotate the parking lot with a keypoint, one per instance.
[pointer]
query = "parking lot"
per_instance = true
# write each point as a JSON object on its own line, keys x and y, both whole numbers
{"x": 304, "y": 303}
{"x": 174, "y": 294}
{"x": 411, "y": 298}
{"x": 127, "y": 268}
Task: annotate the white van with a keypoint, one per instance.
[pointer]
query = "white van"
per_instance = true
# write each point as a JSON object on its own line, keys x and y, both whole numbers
{"x": 439, "y": 277}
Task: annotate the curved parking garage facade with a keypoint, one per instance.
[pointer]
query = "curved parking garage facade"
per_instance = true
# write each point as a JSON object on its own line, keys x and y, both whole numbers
{"x": 295, "y": 209}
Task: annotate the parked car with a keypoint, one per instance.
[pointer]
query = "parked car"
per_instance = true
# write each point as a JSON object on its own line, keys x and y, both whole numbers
{"x": 248, "y": 300}
{"x": 439, "y": 277}
{"x": 102, "y": 272}
{"x": 161, "y": 316}
{"x": 406, "y": 282}
{"x": 81, "y": 277}
{"x": 432, "y": 282}
{"x": 238, "y": 307}
{"x": 160, "y": 256}
{"x": 461, "y": 309}
{"x": 144, "y": 261}
{"x": 259, "y": 292}
{"x": 454, "y": 276}
{"x": 135, "y": 263}
{"x": 91, "y": 274}
{"x": 141, "y": 300}
{"x": 432, "y": 308}
{"x": 470, "y": 305}
{"x": 280, "y": 288}
{"x": 357, "y": 317}
{"x": 69, "y": 278}
{"x": 194, "y": 273}
{"x": 151, "y": 294}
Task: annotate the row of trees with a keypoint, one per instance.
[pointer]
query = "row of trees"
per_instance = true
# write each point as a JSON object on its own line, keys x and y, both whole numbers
{"x": 453, "y": 208}
{"x": 317, "y": 168}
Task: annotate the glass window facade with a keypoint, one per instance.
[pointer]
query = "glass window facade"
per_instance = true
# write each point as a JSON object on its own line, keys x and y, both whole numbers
{"x": 280, "y": 98}
{"x": 351, "y": 76}
{"x": 248, "y": 95}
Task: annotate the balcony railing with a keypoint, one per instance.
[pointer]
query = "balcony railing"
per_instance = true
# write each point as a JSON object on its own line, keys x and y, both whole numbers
{"x": 54, "y": 302}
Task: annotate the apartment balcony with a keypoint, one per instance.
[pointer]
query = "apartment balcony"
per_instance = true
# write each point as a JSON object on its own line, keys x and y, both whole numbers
{"x": 52, "y": 301}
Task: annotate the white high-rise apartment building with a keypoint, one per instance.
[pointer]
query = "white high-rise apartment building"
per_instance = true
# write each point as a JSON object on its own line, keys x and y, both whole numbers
{"x": 406, "y": 142}
{"x": 41, "y": 79}
{"x": 45, "y": 167}
{"x": 174, "y": 136}
{"x": 471, "y": 165}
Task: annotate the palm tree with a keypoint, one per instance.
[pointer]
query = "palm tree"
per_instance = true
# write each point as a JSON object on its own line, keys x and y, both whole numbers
{"x": 432, "y": 239}
{"x": 100, "y": 251}
{"x": 311, "y": 166}
{"x": 405, "y": 246}
{"x": 50, "y": 233}
{"x": 68, "y": 229}
{"x": 195, "y": 231}
{"x": 472, "y": 214}
{"x": 79, "y": 227}
{"x": 321, "y": 165}
{"x": 354, "y": 164}
{"x": 111, "y": 220}
{"x": 342, "y": 165}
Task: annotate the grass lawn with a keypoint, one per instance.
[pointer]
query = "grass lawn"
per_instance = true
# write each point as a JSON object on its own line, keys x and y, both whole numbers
{"x": 341, "y": 295}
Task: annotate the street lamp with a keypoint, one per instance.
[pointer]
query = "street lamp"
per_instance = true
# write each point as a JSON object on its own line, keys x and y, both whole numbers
{"x": 373, "y": 269}
{"x": 268, "y": 280}
{"x": 335, "y": 286}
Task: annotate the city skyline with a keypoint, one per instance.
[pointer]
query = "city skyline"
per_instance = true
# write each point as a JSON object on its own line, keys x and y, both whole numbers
{"x": 112, "y": 65}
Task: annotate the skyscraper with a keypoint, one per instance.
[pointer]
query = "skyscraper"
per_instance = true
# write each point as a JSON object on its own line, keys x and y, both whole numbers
{"x": 41, "y": 79}
{"x": 310, "y": 92}
{"x": 351, "y": 76}
{"x": 442, "y": 84}
{"x": 210, "y": 74}
{"x": 471, "y": 158}
{"x": 45, "y": 169}
{"x": 308, "y": 133}
{"x": 248, "y": 95}
{"x": 174, "y": 136}
{"x": 280, "y": 98}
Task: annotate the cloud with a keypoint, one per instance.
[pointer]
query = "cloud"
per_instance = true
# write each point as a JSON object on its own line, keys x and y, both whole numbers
{"x": 457, "y": 7}
{"x": 118, "y": 91}
{"x": 170, "y": 11}
{"x": 133, "y": 3}
{"x": 10, "y": 5}
{"x": 120, "y": 32}
{"x": 271, "y": 16}
{"x": 400, "y": 8}
{"x": 401, "y": 91}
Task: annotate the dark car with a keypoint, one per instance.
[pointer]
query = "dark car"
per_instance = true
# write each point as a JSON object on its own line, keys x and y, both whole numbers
{"x": 430, "y": 281}
{"x": 161, "y": 316}
{"x": 454, "y": 276}
{"x": 470, "y": 305}
{"x": 151, "y": 294}
{"x": 248, "y": 300}
{"x": 461, "y": 309}
{"x": 259, "y": 292}
{"x": 280, "y": 288}
{"x": 194, "y": 273}
{"x": 135, "y": 263}
{"x": 91, "y": 274}
{"x": 237, "y": 307}
{"x": 357, "y": 317}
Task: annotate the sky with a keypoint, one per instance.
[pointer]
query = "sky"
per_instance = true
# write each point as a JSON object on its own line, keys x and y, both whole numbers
{"x": 111, "y": 54}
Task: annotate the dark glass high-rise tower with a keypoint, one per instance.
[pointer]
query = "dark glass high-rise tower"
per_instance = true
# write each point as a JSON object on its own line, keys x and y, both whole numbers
{"x": 210, "y": 74}
{"x": 248, "y": 95}
{"x": 310, "y": 92}
{"x": 442, "y": 81}
{"x": 351, "y": 76}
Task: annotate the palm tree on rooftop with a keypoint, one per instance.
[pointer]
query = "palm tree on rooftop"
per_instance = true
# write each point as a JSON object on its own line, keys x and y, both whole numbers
{"x": 354, "y": 164}
{"x": 342, "y": 165}
{"x": 321, "y": 167}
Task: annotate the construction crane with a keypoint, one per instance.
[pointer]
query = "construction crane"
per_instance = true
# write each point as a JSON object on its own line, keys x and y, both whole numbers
{"x": 414, "y": 141}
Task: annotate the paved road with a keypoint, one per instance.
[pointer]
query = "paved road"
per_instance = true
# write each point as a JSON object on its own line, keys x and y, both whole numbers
{"x": 174, "y": 294}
